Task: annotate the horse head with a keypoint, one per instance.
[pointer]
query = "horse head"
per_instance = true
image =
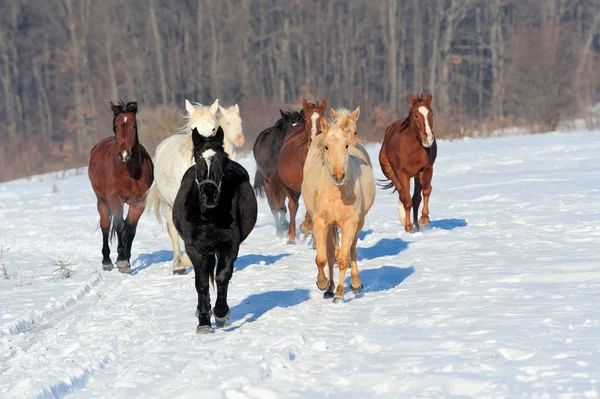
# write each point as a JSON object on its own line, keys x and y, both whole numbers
{"x": 289, "y": 119}
{"x": 313, "y": 113}
{"x": 125, "y": 128}
{"x": 209, "y": 155}
{"x": 232, "y": 124}
{"x": 347, "y": 119}
{"x": 421, "y": 119}
{"x": 335, "y": 147}
{"x": 202, "y": 118}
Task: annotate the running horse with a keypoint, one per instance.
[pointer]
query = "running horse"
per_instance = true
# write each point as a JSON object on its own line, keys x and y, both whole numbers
{"x": 121, "y": 172}
{"x": 293, "y": 155}
{"x": 409, "y": 150}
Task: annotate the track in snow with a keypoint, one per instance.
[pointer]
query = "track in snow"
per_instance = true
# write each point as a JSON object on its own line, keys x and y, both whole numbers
{"x": 497, "y": 298}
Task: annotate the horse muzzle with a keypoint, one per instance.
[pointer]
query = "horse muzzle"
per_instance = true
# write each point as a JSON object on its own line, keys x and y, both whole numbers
{"x": 210, "y": 193}
{"x": 428, "y": 141}
{"x": 124, "y": 156}
{"x": 339, "y": 181}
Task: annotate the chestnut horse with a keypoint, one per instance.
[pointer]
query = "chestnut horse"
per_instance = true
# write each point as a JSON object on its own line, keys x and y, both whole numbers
{"x": 121, "y": 171}
{"x": 409, "y": 150}
{"x": 293, "y": 155}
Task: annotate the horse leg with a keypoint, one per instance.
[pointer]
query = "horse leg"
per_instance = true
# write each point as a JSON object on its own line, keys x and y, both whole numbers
{"x": 276, "y": 204}
{"x": 320, "y": 237}
{"x": 426, "y": 177}
{"x": 120, "y": 229}
{"x": 133, "y": 216}
{"x": 355, "y": 283}
{"x": 405, "y": 201}
{"x": 388, "y": 171}
{"x": 331, "y": 255}
{"x": 202, "y": 265}
{"x": 416, "y": 201}
{"x": 104, "y": 212}
{"x": 349, "y": 232}
{"x": 307, "y": 225}
{"x": 227, "y": 256}
{"x": 178, "y": 267}
{"x": 293, "y": 198}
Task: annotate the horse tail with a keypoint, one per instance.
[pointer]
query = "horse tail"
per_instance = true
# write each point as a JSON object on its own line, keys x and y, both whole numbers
{"x": 386, "y": 184}
{"x": 259, "y": 184}
{"x": 153, "y": 200}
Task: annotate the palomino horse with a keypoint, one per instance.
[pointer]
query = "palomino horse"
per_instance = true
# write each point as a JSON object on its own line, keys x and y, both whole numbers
{"x": 121, "y": 172}
{"x": 174, "y": 156}
{"x": 338, "y": 190}
{"x": 409, "y": 150}
{"x": 214, "y": 211}
{"x": 293, "y": 154}
{"x": 266, "y": 150}
{"x": 346, "y": 119}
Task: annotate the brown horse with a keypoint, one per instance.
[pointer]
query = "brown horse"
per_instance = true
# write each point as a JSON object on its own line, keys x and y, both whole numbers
{"x": 121, "y": 171}
{"x": 293, "y": 155}
{"x": 409, "y": 150}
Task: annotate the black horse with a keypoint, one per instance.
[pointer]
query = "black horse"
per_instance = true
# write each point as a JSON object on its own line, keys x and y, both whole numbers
{"x": 266, "y": 151}
{"x": 214, "y": 211}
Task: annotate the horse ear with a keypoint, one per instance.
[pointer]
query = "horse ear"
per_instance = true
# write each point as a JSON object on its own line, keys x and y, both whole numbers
{"x": 220, "y": 135}
{"x": 214, "y": 107}
{"x": 189, "y": 107}
{"x": 429, "y": 98}
{"x": 304, "y": 103}
{"x": 334, "y": 114}
{"x": 355, "y": 114}
{"x": 283, "y": 114}
{"x": 236, "y": 108}
{"x": 324, "y": 126}
{"x": 114, "y": 108}
{"x": 196, "y": 138}
{"x": 324, "y": 103}
{"x": 411, "y": 99}
{"x": 133, "y": 107}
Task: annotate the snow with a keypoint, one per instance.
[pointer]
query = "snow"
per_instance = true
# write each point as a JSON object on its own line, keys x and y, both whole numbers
{"x": 498, "y": 298}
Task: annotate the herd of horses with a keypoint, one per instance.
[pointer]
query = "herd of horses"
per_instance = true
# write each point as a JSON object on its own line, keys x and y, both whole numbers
{"x": 207, "y": 199}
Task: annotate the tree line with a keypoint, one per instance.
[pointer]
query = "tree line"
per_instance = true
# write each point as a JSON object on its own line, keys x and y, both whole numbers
{"x": 489, "y": 64}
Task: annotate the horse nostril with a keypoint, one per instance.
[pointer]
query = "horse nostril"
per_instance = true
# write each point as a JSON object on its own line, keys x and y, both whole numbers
{"x": 343, "y": 176}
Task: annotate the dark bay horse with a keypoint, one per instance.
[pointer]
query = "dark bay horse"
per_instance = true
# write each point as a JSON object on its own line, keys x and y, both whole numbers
{"x": 214, "y": 211}
{"x": 409, "y": 150}
{"x": 121, "y": 172}
{"x": 292, "y": 156}
{"x": 266, "y": 151}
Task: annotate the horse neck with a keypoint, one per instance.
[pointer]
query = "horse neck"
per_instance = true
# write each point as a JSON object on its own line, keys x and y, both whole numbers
{"x": 410, "y": 132}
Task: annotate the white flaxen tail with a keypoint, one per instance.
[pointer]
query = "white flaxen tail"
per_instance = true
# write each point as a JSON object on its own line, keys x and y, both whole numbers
{"x": 153, "y": 200}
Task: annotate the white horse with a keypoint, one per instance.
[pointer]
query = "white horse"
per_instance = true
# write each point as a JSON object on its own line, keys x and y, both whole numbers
{"x": 174, "y": 157}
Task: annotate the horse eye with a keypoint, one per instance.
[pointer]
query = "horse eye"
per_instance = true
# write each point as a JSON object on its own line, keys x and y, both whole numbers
{"x": 355, "y": 133}
{"x": 326, "y": 148}
{"x": 214, "y": 128}
{"x": 416, "y": 116}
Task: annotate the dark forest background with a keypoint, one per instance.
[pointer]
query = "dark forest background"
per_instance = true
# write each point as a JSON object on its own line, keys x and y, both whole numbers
{"x": 491, "y": 64}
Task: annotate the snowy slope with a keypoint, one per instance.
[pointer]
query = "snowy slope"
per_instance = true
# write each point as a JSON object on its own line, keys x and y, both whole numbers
{"x": 499, "y": 298}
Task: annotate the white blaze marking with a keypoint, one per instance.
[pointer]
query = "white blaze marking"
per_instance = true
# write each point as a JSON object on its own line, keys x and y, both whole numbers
{"x": 125, "y": 120}
{"x": 208, "y": 155}
{"x": 313, "y": 130}
{"x": 294, "y": 124}
{"x": 424, "y": 111}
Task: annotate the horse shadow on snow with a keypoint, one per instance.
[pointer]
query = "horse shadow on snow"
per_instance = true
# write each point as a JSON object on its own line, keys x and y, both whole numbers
{"x": 144, "y": 261}
{"x": 258, "y": 304}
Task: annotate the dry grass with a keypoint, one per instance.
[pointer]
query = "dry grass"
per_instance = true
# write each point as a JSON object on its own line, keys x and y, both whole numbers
{"x": 64, "y": 268}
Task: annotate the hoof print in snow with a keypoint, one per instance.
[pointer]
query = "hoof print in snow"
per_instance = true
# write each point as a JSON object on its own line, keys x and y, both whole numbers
{"x": 204, "y": 330}
{"x": 357, "y": 290}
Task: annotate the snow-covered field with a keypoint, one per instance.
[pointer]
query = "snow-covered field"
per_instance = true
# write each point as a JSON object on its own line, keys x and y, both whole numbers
{"x": 499, "y": 298}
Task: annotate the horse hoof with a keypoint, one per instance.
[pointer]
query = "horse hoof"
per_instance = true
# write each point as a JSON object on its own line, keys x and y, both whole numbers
{"x": 338, "y": 299}
{"x": 356, "y": 290}
{"x": 204, "y": 330}
{"x": 328, "y": 294}
{"x": 291, "y": 242}
{"x": 324, "y": 287}
{"x": 408, "y": 229}
{"x": 107, "y": 266}
{"x": 179, "y": 271}
{"x": 124, "y": 266}
{"x": 223, "y": 321}
{"x": 424, "y": 223}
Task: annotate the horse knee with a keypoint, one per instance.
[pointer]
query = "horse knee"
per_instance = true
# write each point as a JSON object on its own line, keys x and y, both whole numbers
{"x": 321, "y": 261}
{"x": 223, "y": 277}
